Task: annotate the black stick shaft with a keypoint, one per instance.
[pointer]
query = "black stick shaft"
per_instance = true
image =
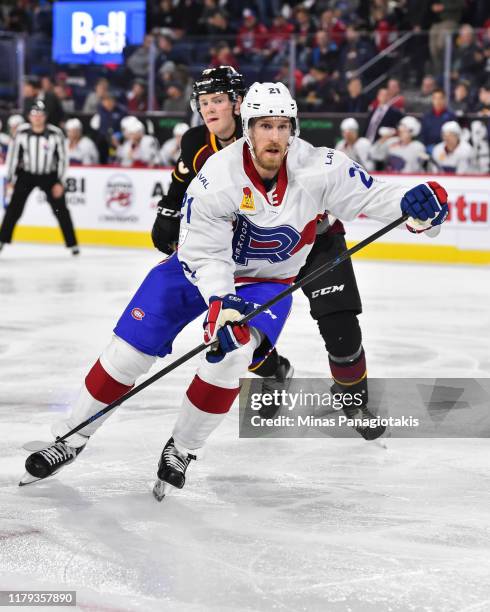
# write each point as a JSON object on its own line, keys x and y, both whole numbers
{"x": 326, "y": 267}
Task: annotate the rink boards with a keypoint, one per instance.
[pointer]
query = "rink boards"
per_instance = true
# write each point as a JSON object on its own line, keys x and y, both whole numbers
{"x": 116, "y": 207}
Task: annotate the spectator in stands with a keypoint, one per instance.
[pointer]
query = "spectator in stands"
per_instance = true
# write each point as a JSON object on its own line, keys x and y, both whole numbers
{"x": 139, "y": 61}
{"x": 461, "y": 103}
{"x": 221, "y": 55}
{"x": 334, "y": 27}
{"x": 278, "y": 39}
{"x": 304, "y": 29}
{"x": 216, "y": 24}
{"x": 170, "y": 151}
{"x": 166, "y": 52}
{"x": 283, "y": 77}
{"x": 467, "y": 57}
{"x": 355, "y": 52}
{"x": 324, "y": 52}
{"x": 402, "y": 152}
{"x": 396, "y": 99}
{"x": 382, "y": 116}
{"x": 18, "y": 18}
{"x": 251, "y": 38}
{"x": 94, "y": 98}
{"x": 483, "y": 106}
{"x": 166, "y": 16}
{"x": 354, "y": 101}
{"x": 383, "y": 23}
{"x": 453, "y": 155}
{"x": 64, "y": 95}
{"x": 137, "y": 98}
{"x": 354, "y": 146}
{"x": 433, "y": 120}
{"x": 421, "y": 101}
{"x": 139, "y": 150}
{"x": 175, "y": 98}
{"x": 418, "y": 18}
{"x": 34, "y": 92}
{"x": 318, "y": 92}
{"x": 81, "y": 150}
{"x": 446, "y": 15}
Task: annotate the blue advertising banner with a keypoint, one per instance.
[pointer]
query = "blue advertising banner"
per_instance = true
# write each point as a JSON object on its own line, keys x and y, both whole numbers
{"x": 96, "y": 32}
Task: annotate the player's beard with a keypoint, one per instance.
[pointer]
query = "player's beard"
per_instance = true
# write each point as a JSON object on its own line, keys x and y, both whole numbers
{"x": 268, "y": 162}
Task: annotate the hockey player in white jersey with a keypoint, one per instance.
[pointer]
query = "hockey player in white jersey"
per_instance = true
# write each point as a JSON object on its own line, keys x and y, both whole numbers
{"x": 249, "y": 220}
{"x": 402, "y": 153}
{"x": 81, "y": 150}
{"x": 354, "y": 146}
{"x": 453, "y": 155}
{"x": 138, "y": 149}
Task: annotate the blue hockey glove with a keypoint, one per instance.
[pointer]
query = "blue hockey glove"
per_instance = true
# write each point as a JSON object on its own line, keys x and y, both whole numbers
{"x": 427, "y": 206}
{"x": 222, "y": 324}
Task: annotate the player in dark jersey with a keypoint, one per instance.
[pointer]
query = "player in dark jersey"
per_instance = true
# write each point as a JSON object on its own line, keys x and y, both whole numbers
{"x": 334, "y": 296}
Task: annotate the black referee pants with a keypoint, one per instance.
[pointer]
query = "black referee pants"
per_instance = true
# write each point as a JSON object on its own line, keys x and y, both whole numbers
{"x": 24, "y": 185}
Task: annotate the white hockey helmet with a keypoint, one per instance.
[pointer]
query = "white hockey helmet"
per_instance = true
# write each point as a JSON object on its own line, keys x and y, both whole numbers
{"x": 73, "y": 124}
{"x": 412, "y": 124}
{"x": 451, "y": 127}
{"x": 127, "y": 121}
{"x": 135, "y": 127}
{"x": 349, "y": 125}
{"x": 268, "y": 100}
{"x": 180, "y": 129}
{"x": 14, "y": 121}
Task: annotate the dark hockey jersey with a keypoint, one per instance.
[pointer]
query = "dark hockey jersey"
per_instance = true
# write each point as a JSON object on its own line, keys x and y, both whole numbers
{"x": 198, "y": 144}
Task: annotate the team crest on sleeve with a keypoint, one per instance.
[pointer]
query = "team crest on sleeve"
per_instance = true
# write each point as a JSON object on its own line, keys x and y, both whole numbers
{"x": 248, "y": 204}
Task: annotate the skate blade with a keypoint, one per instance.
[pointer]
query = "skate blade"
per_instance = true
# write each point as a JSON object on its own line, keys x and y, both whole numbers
{"x": 162, "y": 489}
{"x": 36, "y": 445}
{"x": 28, "y": 479}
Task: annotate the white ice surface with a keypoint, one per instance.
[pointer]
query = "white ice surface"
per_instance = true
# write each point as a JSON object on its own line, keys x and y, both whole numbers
{"x": 330, "y": 525}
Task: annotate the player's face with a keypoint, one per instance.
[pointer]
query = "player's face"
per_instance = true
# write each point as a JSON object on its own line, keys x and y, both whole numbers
{"x": 350, "y": 136}
{"x": 269, "y": 136}
{"x": 450, "y": 140}
{"x": 404, "y": 134}
{"x": 217, "y": 113}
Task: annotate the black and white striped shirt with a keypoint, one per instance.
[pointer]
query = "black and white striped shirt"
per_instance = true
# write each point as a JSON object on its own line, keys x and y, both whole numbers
{"x": 43, "y": 153}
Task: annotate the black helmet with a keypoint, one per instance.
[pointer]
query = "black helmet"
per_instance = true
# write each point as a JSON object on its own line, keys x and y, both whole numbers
{"x": 38, "y": 107}
{"x": 224, "y": 79}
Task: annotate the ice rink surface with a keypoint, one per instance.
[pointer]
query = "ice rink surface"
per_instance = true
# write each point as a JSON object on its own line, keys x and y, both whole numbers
{"x": 284, "y": 525}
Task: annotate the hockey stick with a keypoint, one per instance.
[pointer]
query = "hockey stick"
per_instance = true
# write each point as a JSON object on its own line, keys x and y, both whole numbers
{"x": 326, "y": 267}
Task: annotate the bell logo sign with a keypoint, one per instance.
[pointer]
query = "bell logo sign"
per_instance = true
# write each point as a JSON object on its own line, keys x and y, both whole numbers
{"x": 101, "y": 39}
{"x": 88, "y": 32}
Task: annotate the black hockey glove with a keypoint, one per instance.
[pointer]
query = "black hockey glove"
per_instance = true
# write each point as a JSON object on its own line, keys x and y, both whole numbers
{"x": 165, "y": 232}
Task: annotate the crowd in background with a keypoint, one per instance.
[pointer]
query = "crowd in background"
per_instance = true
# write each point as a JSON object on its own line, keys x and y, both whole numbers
{"x": 333, "y": 40}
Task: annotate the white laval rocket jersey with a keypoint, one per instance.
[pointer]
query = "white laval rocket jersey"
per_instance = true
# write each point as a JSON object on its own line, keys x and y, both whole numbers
{"x": 233, "y": 232}
{"x": 399, "y": 157}
{"x": 144, "y": 153}
{"x": 84, "y": 152}
{"x": 459, "y": 161}
{"x": 359, "y": 151}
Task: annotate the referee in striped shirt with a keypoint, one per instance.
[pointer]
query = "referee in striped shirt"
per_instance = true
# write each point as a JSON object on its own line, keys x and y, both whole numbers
{"x": 37, "y": 157}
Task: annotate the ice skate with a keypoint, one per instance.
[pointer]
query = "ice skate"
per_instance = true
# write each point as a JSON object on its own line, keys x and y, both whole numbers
{"x": 171, "y": 470}
{"x": 277, "y": 383}
{"x": 360, "y": 412}
{"x": 48, "y": 461}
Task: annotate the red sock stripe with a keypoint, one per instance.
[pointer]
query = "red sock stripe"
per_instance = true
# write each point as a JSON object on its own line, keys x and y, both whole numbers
{"x": 102, "y": 386}
{"x": 210, "y": 398}
{"x": 348, "y": 372}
